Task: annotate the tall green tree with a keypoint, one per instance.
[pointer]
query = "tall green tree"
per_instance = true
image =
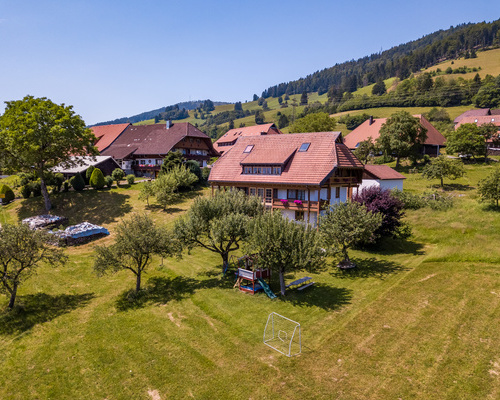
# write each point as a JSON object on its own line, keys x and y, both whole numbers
{"x": 443, "y": 167}
{"x": 489, "y": 188}
{"x": 22, "y": 251}
{"x": 364, "y": 150}
{"x": 379, "y": 88}
{"x": 137, "y": 240}
{"x": 317, "y": 122}
{"x": 283, "y": 245}
{"x": 470, "y": 139}
{"x": 218, "y": 223}
{"x": 171, "y": 160}
{"x": 346, "y": 225}
{"x": 118, "y": 174}
{"x": 401, "y": 135}
{"x": 303, "y": 99}
{"x": 37, "y": 134}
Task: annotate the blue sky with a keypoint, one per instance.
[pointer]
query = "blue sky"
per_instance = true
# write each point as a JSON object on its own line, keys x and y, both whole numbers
{"x": 113, "y": 59}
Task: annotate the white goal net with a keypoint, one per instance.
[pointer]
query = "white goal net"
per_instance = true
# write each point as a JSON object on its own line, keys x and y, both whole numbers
{"x": 283, "y": 335}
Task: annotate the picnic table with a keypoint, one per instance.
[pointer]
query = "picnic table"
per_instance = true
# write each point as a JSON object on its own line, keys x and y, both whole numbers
{"x": 301, "y": 283}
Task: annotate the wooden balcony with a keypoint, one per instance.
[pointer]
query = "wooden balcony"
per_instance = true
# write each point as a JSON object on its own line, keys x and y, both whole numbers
{"x": 300, "y": 205}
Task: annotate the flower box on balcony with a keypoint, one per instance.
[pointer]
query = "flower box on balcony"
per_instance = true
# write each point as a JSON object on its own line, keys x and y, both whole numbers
{"x": 298, "y": 202}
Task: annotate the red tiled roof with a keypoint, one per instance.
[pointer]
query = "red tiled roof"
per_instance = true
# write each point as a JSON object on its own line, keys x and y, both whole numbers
{"x": 365, "y": 130}
{"x": 155, "y": 139}
{"x": 487, "y": 119}
{"x": 383, "y": 172}
{"x": 309, "y": 167}
{"x": 254, "y": 130}
{"x": 107, "y": 134}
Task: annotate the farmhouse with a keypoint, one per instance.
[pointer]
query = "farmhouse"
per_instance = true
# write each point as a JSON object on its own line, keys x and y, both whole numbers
{"x": 371, "y": 129}
{"x": 107, "y": 134}
{"x": 140, "y": 150}
{"x": 300, "y": 174}
{"x": 79, "y": 164}
{"x": 493, "y": 144}
{"x": 381, "y": 176}
{"x": 478, "y": 112}
{"x": 226, "y": 141}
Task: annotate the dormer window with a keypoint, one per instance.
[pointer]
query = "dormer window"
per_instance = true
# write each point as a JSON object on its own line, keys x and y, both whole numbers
{"x": 304, "y": 147}
{"x": 248, "y": 149}
{"x": 262, "y": 170}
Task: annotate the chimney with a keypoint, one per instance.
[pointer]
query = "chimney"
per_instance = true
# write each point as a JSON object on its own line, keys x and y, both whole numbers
{"x": 371, "y": 119}
{"x": 169, "y": 123}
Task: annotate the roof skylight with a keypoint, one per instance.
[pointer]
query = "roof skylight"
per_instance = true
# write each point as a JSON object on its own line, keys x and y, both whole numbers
{"x": 248, "y": 149}
{"x": 304, "y": 146}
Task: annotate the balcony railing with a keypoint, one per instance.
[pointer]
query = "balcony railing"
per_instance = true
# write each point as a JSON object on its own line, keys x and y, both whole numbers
{"x": 292, "y": 204}
{"x": 146, "y": 167}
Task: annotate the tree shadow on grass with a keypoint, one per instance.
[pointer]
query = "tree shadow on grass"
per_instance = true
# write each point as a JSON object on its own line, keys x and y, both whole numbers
{"x": 319, "y": 295}
{"x": 35, "y": 309}
{"x": 161, "y": 290}
{"x": 390, "y": 246}
{"x": 368, "y": 268}
{"x": 449, "y": 187}
{"x": 98, "y": 207}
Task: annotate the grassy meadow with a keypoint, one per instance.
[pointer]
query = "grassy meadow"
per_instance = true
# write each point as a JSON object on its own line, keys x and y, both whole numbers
{"x": 418, "y": 319}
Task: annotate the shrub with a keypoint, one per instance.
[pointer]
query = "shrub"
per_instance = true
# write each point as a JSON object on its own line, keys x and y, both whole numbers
{"x": 183, "y": 177}
{"x": 8, "y": 193}
{"x": 383, "y": 202}
{"x": 109, "y": 181}
{"x": 97, "y": 179}
{"x": 65, "y": 187}
{"x": 410, "y": 201}
{"x": 130, "y": 179}
{"x": 58, "y": 181}
{"x": 438, "y": 201}
{"x": 88, "y": 173}
{"x": 26, "y": 191}
{"x": 77, "y": 182}
{"x": 118, "y": 175}
{"x": 205, "y": 174}
{"x": 36, "y": 188}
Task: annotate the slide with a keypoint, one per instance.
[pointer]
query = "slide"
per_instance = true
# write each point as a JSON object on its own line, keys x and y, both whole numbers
{"x": 267, "y": 289}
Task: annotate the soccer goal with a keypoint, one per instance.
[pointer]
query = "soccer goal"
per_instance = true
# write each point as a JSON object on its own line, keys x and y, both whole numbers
{"x": 283, "y": 335}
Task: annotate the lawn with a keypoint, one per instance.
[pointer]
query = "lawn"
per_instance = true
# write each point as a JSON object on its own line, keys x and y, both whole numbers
{"x": 418, "y": 319}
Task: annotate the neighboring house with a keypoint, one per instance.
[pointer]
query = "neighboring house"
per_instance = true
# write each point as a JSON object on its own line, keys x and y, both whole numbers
{"x": 226, "y": 141}
{"x": 300, "y": 174}
{"x": 381, "y": 176}
{"x": 107, "y": 134}
{"x": 371, "y": 128}
{"x": 479, "y": 112}
{"x": 140, "y": 150}
{"x": 105, "y": 163}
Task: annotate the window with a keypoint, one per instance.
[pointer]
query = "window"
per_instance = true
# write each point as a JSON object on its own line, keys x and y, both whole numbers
{"x": 252, "y": 191}
{"x": 248, "y": 149}
{"x": 277, "y": 170}
{"x": 299, "y": 215}
{"x": 259, "y": 170}
{"x": 304, "y": 146}
{"x": 337, "y": 192}
{"x": 301, "y": 194}
{"x": 260, "y": 192}
{"x": 254, "y": 170}
{"x": 291, "y": 194}
{"x": 269, "y": 195}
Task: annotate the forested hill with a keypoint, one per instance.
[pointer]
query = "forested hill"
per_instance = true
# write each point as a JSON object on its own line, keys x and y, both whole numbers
{"x": 399, "y": 61}
{"x": 186, "y": 105}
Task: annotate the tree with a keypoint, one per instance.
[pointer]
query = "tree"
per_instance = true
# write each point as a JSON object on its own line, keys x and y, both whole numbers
{"x": 283, "y": 121}
{"x": 487, "y": 96}
{"x": 88, "y": 172}
{"x": 172, "y": 159}
{"x": 383, "y": 202}
{"x": 238, "y": 106}
{"x": 8, "y": 194}
{"x": 97, "y": 179}
{"x": 118, "y": 175}
{"x": 489, "y": 187}
{"x": 22, "y": 251}
{"x": 283, "y": 245}
{"x": 137, "y": 240}
{"x": 37, "y": 134}
{"x": 317, "y": 122}
{"x": 218, "y": 223}
{"x": 231, "y": 125}
{"x": 165, "y": 188}
{"x": 255, "y": 97}
{"x": 443, "y": 167}
{"x": 259, "y": 117}
{"x": 364, "y": 150}
{"x": 183, "y": 177}
{"x": 280, "y": 100}
{"x": 147, "y": 191}
{"x": 303, "y": 99}
{"x": 470, "y": 139}
{"x": 402, "y": 135}
{"x": 348, "y": 224}
{"x": 379, "y": 88}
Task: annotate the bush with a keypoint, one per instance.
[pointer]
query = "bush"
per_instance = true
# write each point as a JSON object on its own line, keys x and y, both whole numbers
{"x": 410, "y": 201}
{"x": 97, "y": 179}
{"x": 183, "y": 177}
{"x": 8, "y": 193}
{"x": 389, "y": 206}
{"x": 36, "y": 188}
{"x": 26, "y": 191}
{"x": 58, "y": 181}
{"x": 88, "y": 173}
{"x": 438, "y": 201}
{"x": 118, "y": 175}
{"x": 77, "y": 182}
{"x": 205, "y": 174}
{"x": 130, "y": 179}
{"x": 108, "y": 180}
{"x": 65, "y": 187}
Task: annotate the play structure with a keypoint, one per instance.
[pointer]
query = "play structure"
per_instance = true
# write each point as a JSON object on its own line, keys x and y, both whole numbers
{"x": 250, "y": 278}
{"x": 283, "y": 335}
